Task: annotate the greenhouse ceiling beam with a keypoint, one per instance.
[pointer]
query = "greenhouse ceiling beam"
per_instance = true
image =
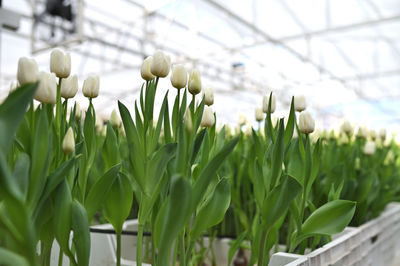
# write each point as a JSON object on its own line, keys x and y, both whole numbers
{"x": 374, "y": 75}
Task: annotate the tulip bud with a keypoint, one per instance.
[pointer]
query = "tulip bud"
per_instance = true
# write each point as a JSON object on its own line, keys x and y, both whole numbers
{"x": 187, "y": 118}
{"x": 332, "y": 135}
{"x": 69, "y": 87}
{"x": 208, "y": 118}
{"x": 47, "y": 89}
{"x": 194, "y": 82}
{"x": 259, "y": 114}
{"x": 78, "y": 112}
{"x": 369, "y": 148}
{"x": 248, "y": 129}
{"x": 208, "y": 96}
{"x": 362, "y": 132}
{"x": 27, "y": 71}
{"x": 104, "y": 131}
{"x": 14, "y": 85}
{"x": 99, "y": 124}
{"x": 300, "y": 103}
{"x": 145, "y": 70}
{"x": 382, "y": 133}
{"x": 68, "y": 144}
{"x": 389, "y": 159}
{"x": 306, "y": 123}
{"x": 114, "y": 119}
{"x": 242, "y": 119}
{"x": 160, "y": 64}
{"x": 60, "y": 63}
{"x": 372, "y": 134}
{"x": 179, "y": 77}
{"x": 266, "y": 103}
{"x": 91, "y": 86}
{"x": 347, "y": 128}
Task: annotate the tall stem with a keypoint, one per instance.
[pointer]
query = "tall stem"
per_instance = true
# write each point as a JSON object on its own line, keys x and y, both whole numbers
{"x": 182, "y": 245}
{"x": 139, "y": 245}
{"x": 119, "y": 249}
{"x": 60, "y": 257}
{"x": 261, "y": 250}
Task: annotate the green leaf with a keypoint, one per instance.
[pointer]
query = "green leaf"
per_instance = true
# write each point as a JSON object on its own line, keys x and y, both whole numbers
{"x": 119, "y": 202}
{"x": 235, "y": 245}
{"x": 80, "y": 226}
{"x": 258, "y": 184}
{"x": 40, "y": 159}
{"x": 278, "y": 200}
{"x": 212, "y": 212}
{"x": 277, "y": 155}
{"x": 110, "y": 149}
{"x": 12, "y": 112}
{"x": 9, "y": 258}
{"x": 21, "y": 173}
{"x": 331, "y": 218}
{"x": 197, "y": 144}
{"x": 99, "y": 191}
{"x": 210, "y": 171}
{"x": 172, "y": 218}
{"x": 62, "y": 215}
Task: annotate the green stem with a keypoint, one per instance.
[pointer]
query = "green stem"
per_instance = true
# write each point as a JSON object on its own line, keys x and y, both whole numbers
{"x": 60, "y": 257}
{"x": 46, "y": 254}
{"x": 182, "y": 246}
{"x": 261, "y": 251}
{"x": 156, "y": 82}
{"x": 174, "y": 254}
{"x": 139, "y": 245}
{"x": 192, "y": 107}
{"x": 119, "y": 249}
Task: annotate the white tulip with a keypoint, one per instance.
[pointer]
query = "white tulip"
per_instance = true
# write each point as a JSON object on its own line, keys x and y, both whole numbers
{"x": 266, "y": 103}
{"x": 69, "y": 87}
{"x": 372, "y": 134}
{"x": 60, "y": 63}
{"x": 160, "y": 64}
{"x": 27, "y": 71}
{"x": 99, "y": 124}
{"x": 248, "y": 129}
{"x": 208, "y": 118}
{"x": 382, "y": 133}
{"x": 208, "y": 96}
{"x": 347, "y": 128}
{"x": 187, "y": 118}
{"x": 91, "y": 86}
{"x": 300, "y": 103}
{"x": 242, "y": 119}
{"x": 179, "y": 76}
{"x": 306, "y": 123}
{"x": 114, "y": 119}
{"x": 369, "y": 148}
{"x": 78, "y": 112}
{"x": 194, "y": 82}
{"x": 145, "y": 69}
{"x": 389, "y": 159}
{"x": 68, "y": 144}
{"x": 47, "y": 89}
{"x": 259, "y": 114}
{"x": 362, "y": 132}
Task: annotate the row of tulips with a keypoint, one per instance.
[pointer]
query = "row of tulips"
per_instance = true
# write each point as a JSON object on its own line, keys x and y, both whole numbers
{"x": 178, "y": 175}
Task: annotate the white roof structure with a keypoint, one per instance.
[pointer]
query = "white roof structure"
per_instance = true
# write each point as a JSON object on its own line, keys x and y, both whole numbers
{"x": 343, "y": 55}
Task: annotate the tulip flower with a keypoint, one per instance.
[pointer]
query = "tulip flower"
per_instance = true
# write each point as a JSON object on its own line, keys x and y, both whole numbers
{"x": 99, "y": 124}
{"x": 300, "y": 103}
{"x": 266, "y": 103}
{"x": 259, "y": 114}
{"x": 91, "y": 86}
{"x": 362, "y": 132}
{"x": 160, "y": 64}
{"x": 47, "y": 89}
{"x": 27, "y": 71}
{"x": 68, "y": 144}
{"x": 208, "y": 118}
{"x": 145, "y": 69}
{"x": 306, "y": 123}
{"x": 69, "y": 87}
{"x": 114, "y": 119}
{"x": 60, "y": 63}
{"x": 382, "y": 133}
{"x": 372, "y": 134}
{"x": 187, "y": 118}
{"x": 194, "y": 82}
{"x": 369, "y": 148}
{"x": 347, "y": 128}
{"x": 242, "y": 119}
{"x": 78, "y": 112}
{"x": 208, "y": 96}
{"x": 179, "y": 76}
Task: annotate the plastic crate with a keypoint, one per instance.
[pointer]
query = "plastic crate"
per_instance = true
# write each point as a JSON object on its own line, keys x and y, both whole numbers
{"x": 374, "y": 243}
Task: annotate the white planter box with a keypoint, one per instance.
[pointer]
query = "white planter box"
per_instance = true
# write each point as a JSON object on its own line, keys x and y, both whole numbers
{"x": 375, "y": 243}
